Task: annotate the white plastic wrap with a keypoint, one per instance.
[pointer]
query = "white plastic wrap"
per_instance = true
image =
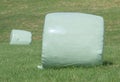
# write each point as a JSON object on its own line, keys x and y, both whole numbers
{"x": 72, "y": 39}
{"x": 20, "y": 37}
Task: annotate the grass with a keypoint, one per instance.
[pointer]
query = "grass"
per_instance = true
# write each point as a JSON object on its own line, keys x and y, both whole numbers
{"x": 19, "y": 63}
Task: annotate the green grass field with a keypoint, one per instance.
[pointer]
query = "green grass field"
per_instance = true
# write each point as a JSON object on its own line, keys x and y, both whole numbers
{"x": 19, "y": 63}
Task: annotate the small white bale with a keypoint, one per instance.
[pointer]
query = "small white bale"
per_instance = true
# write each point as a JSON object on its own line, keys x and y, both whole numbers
{"x": 20, "y": 37}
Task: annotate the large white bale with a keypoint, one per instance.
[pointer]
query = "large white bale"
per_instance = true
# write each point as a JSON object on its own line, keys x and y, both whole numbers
{"x": 72, "y": 39}
{"x": 20, "y": 37}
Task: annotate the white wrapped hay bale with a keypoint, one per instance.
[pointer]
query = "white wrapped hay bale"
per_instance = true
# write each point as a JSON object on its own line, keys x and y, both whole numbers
{"x": 72, "y": 39}
{"x": 20, "y": 37}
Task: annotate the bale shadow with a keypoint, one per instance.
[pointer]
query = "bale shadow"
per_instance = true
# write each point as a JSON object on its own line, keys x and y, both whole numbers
{"x": 107, "y": 63}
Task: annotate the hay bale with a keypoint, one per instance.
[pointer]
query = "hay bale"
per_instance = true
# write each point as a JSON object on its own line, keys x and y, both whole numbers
{"x": 20, "y": 37}
{"x": 72, "y": 39}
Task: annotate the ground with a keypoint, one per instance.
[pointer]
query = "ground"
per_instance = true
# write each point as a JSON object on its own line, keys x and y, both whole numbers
{"x": 19, "y": 63}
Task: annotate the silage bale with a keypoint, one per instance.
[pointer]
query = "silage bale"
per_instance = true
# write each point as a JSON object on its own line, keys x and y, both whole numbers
{"x": 20, "y": 37}
{"x": 72, "y": 39}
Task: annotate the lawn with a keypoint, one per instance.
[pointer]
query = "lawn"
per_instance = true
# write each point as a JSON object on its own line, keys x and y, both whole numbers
{"x": 19, "y": 63}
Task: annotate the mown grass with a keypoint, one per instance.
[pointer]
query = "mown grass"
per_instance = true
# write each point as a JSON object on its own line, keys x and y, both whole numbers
{"x": 19, "y": 63}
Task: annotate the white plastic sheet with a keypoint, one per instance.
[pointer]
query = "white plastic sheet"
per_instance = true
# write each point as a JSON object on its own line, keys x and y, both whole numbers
{"x": 20, "y": 37}
{"x": 72, "y": 39}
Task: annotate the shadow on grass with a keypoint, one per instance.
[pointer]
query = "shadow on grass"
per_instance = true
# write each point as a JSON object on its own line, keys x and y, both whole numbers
{"x": 106, "y": 63}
